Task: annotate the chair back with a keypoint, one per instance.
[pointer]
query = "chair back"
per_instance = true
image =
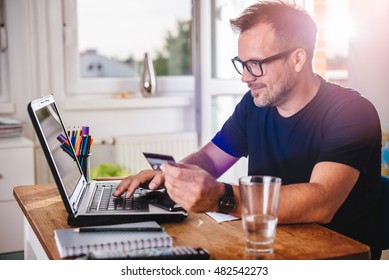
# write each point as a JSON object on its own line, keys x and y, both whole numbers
{"x": 385, "y": 212}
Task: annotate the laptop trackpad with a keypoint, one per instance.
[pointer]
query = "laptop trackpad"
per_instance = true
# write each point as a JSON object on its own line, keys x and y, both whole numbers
{"x": 161, "y": 199}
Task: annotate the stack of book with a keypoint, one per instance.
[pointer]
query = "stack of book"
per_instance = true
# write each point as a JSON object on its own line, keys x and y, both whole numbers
{"x": 10, "y": 127}
{"x": 132, "y": 236}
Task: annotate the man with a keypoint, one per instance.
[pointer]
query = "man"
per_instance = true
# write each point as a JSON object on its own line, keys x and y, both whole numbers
{"x": 323, "y": 140}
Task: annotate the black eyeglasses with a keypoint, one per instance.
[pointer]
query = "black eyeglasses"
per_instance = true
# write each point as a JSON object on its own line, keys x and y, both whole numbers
{"x": 255, "y": 66}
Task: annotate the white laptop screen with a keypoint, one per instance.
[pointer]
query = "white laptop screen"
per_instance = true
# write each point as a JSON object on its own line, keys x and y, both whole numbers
{"x": 51, "y": 127}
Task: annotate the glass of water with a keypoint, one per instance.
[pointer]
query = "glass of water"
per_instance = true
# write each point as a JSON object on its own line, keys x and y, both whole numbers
{"x": 260, "y": 197}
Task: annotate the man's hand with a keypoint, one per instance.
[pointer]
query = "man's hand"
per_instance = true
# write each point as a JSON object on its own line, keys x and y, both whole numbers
{"x": 192, "y": 187}
{"x": 131, "y": 183}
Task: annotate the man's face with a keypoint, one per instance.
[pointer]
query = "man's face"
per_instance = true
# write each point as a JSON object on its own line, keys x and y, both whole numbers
{"x": 273, "y": 87}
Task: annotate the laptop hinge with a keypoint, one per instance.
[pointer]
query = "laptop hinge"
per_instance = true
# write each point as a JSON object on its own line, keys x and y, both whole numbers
{"x": 76, "y": 204}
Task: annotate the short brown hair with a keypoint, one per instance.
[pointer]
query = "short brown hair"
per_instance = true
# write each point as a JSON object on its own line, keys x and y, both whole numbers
{"x": 293, "y": 26}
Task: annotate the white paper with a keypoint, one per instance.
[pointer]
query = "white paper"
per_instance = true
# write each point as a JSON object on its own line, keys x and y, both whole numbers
{"x": 220, "y": 217}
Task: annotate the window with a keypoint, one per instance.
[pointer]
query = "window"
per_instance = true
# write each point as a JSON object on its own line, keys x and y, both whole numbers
{"x": 224, "y": 40}
{"x": 337, "y": 31}
{"x": 105, "y": 43}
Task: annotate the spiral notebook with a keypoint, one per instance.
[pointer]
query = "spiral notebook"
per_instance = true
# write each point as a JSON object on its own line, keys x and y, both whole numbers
{"x": 71, "y": 243}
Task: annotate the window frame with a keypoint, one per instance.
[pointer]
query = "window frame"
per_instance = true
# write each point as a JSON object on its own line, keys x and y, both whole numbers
{"x": 75, "y": 85}
{"x": 4, "y": 78}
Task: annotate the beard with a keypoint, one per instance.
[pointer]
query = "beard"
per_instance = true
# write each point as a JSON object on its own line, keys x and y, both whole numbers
{"x": 274, "y": 94}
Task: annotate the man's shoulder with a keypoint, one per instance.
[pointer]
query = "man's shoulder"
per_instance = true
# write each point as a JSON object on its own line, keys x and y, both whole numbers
{"x": 343, "y": 96}
{"x": 331, "y": 88}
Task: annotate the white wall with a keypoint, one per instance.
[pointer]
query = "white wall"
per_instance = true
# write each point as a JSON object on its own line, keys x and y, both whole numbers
{"x": 369, "y": 51}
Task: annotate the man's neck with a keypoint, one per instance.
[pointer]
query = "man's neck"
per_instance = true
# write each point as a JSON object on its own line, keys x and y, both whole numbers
{"x": 303, "y": 92}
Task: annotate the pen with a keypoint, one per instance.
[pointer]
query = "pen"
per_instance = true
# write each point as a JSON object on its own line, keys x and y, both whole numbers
{"x": 61, "y": 138}
{"x": 85, "y": 130}
{"x": 117, "y": 229}
{"x": 109, "y": 178}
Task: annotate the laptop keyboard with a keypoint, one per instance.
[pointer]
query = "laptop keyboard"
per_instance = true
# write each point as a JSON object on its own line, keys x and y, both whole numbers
{"x": 103, "y": 200}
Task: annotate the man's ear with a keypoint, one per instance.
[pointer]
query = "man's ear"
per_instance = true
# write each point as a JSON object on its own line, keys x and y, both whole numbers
{"x": 299, "y": 59}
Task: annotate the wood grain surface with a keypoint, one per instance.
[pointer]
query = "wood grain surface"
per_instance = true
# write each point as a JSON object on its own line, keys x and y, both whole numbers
{"x": 44, "y": 210}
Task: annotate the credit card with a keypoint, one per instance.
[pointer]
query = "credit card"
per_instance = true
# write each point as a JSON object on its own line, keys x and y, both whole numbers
{"x": 156, "y": 160}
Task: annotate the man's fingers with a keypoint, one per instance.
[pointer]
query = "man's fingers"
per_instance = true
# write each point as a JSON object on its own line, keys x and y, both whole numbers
{"x": 157, "y": 181}
{"x": 123, "y": 186}
{"x": 131, "y": 183}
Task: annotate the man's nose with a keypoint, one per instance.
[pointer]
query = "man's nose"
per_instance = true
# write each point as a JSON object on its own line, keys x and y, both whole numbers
{"x": 246, "y": 76}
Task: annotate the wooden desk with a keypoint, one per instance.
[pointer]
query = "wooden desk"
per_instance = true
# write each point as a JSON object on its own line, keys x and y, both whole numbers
{"x": 44, "y": 211}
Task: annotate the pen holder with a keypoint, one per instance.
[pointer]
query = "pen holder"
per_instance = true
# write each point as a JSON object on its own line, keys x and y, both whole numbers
{"x": 84, "y": 161}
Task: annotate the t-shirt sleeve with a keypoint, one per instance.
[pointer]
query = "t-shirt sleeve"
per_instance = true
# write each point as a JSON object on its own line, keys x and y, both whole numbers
{"x": 351, "y": 133}
{"x": 232, "y": 138}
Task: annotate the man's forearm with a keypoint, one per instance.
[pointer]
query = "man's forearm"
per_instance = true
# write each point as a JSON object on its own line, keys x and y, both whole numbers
{"x": 201, "y": 159}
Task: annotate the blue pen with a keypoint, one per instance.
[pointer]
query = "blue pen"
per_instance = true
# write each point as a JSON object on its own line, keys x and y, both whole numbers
{"x": 84, "y": 145}
{"x": 73, "y": 139}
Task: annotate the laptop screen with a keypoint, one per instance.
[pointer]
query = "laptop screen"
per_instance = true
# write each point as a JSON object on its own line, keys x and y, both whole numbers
{"x": 52, "y": 129}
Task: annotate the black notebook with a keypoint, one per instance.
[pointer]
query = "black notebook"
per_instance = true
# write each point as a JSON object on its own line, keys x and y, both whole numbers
{"x": 71, "y": 243}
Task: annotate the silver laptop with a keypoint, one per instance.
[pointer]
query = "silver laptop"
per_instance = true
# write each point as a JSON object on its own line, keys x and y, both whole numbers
{"x": 89, "y": 203}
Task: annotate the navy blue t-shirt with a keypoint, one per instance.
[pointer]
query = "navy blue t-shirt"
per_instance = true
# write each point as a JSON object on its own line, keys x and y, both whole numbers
{"x": 337, "y": 125}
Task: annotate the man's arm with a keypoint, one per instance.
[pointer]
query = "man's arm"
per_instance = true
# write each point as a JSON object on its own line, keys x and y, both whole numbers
{"x": 209, "y": 158}
{"x": 193, "y": 184}
{"x": 318, "y": 200}
{"x": 212, "y": 159}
